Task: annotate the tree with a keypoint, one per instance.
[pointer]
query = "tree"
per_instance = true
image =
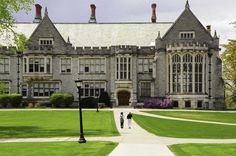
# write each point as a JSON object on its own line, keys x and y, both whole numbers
{"x": 7, "y": 20}
{"x": 229, "y": 68}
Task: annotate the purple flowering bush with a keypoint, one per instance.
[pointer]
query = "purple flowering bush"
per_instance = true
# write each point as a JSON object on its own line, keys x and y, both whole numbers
{"x": 158, "y": 103}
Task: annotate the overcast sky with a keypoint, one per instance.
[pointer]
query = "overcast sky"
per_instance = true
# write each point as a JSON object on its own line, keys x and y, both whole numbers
{"x": 218, "y": 13}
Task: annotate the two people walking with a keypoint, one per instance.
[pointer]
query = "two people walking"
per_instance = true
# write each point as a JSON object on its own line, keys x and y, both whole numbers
{"x": 129, "y": 118}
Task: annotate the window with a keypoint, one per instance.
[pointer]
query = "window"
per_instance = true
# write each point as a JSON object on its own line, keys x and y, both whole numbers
{"x": 198, "y": 73}
{"x": 187, "y": 73}
{"x": 92, "y": 89}
{"x": 46, "y": 41}
{"x": 176, "y": 73}
{"x": 175, "y": 104}
{"x": 37, "y": 65}
{"x": 187, "y": 35}
{"x": 45, "y": 89}
{"x": 24, "y": 91}
{"x": 4, "y": 65}
{"x": 123, "y": 68}
{"x": 199, "y": 104}
{"x": 145, "y": 65}
{"x": 65, "y": 65}
{"x": 187, "y": 104}
{"x": 91, "y": 65}
{"x": 4, "y": 87}
{"x": 145, "y": 89}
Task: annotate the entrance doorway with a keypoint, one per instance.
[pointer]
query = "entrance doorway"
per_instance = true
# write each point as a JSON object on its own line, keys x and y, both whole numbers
{"x": 123, "y": 98}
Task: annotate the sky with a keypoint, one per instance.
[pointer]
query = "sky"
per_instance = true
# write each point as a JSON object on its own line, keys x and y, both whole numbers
{"x": 217, "y": 13}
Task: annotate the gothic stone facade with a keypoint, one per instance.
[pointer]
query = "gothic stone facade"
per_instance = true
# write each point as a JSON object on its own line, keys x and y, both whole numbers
{"x": 131, "y": 61}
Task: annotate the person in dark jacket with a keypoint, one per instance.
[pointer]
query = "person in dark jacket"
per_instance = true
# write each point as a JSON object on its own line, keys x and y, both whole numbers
{"x": 121, "y": 120}
{"x": 129, "y": 117}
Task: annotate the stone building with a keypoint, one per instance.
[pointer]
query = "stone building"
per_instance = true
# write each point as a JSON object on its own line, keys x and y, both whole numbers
{"x": 131, "y": 61}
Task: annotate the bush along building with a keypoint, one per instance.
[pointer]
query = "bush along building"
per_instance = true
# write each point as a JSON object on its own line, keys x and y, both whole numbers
{"x": 130, "y": 61}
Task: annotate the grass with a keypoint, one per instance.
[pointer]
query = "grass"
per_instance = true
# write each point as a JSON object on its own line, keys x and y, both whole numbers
{"x": 57, "y": 148}
{"x": 185, "y": 129}
{"x": 38, "y": 124}
{"x": 207, "y": 116}
{"x": 204, "y": 149}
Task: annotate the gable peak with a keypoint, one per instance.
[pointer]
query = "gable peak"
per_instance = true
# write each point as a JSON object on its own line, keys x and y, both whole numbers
{"x": 46, "y": 11}
{"x": 187, "y": 6}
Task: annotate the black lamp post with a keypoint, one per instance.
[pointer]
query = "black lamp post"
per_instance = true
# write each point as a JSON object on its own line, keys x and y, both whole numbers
{"x": 18, "y": 71}
{"x": 97, "y": 93}
{"x": 81, "y": 139}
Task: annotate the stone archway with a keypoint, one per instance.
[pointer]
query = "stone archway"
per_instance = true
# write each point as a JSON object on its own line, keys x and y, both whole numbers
{"x": 123, "y": 98}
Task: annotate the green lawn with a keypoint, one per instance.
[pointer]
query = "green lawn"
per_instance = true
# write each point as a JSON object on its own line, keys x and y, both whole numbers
{"x": 25, "y": 124}
{"x": 204, "y": 149}
{"x": 185, "y": 129}
{"x": 208, "y": 116}
{"x": 57, "y": 149}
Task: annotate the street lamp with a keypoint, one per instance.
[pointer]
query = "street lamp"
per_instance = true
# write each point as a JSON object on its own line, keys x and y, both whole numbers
{"x": 18, "y": 70}
{"x": 81, "y": 139}
{"x": 97, "y": 93}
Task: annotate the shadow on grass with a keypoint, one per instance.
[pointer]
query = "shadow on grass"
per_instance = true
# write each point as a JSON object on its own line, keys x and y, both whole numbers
{"x": 99, "y": 132}
{"x": 33, "y": 131}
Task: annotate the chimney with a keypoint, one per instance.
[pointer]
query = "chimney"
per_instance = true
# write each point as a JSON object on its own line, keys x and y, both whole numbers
{"x": 154, "y": 17}
{"x": 38, "y": 16}
{"x": 208, "y": 27}
{"x": 93, "y": 14}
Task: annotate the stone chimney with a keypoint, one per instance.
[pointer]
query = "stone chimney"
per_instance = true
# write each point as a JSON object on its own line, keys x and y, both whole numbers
{"x": 38, "y": 16}
{"x": 154, "y": 17}
{"x": 208, "y": 28}
{"x": 93, "y": 14}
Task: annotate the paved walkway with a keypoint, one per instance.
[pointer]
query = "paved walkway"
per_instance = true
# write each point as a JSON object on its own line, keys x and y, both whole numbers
{"x": 135, "y": 141}
{"x": 179, "y": 119}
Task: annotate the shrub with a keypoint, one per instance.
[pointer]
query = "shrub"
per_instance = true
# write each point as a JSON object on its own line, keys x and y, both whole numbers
{"x": 157, "y": 103}
{"x": 89, "y": 102}
{"x": 4, "y": 100}
{"x": 61, "y": 100}
{"x": 68, "y": 99}
{"x": 57, "y": 100}
{"x": 105, "y": 98}
{"x": 15, "y": 99}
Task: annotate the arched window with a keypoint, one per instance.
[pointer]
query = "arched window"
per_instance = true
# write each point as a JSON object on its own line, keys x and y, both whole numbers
{"x": 176, "y": 73}
{"x": 187, "y": 73}
{"x": 198, "y": 73}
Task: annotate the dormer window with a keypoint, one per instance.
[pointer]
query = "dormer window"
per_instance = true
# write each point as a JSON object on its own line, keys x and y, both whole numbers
{"x": 46, "y": 41}
{"x": 187, "y": 35}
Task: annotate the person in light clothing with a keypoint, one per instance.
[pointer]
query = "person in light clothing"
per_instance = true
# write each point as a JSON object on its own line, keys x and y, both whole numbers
{"x": 129, "y": 117}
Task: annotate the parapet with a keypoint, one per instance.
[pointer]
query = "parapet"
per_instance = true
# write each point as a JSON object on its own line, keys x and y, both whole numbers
{"x": 178, "y": 47}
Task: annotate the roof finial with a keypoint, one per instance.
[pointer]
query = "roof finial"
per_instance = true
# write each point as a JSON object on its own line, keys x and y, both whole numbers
{"x": 187, "y": 5}
{"x": 46, "y": 11}
{"x": 159, "y": 34}
{"x": 68, "y": 39}
{"x": 215, "y": 34}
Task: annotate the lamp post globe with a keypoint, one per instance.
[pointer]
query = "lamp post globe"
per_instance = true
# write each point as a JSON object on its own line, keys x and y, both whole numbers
{"x": 79, "y": 85}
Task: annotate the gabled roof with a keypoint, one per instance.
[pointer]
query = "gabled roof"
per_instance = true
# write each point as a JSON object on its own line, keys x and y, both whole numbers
{"x": 187, "y": 21}
{"x": 46, "y": 29}
{"x": 103, "y": 34}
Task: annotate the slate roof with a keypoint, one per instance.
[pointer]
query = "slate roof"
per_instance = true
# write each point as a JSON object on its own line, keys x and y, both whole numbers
{"x": 103, "y": 34}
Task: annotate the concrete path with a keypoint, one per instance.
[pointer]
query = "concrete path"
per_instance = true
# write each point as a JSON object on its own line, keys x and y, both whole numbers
{"x": 180, "y": 119}
{"x": 136, "y": 141}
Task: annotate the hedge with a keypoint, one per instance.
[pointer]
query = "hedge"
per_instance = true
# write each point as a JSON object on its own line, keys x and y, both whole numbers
{"x": 14, "y": 100}
{"x": 61, "y": 100}
{"x": 89, "y": 102}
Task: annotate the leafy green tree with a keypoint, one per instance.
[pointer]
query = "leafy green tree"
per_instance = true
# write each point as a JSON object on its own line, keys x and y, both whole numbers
{"x": 229, "y": 69}
{"x": 7, "y": 20}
